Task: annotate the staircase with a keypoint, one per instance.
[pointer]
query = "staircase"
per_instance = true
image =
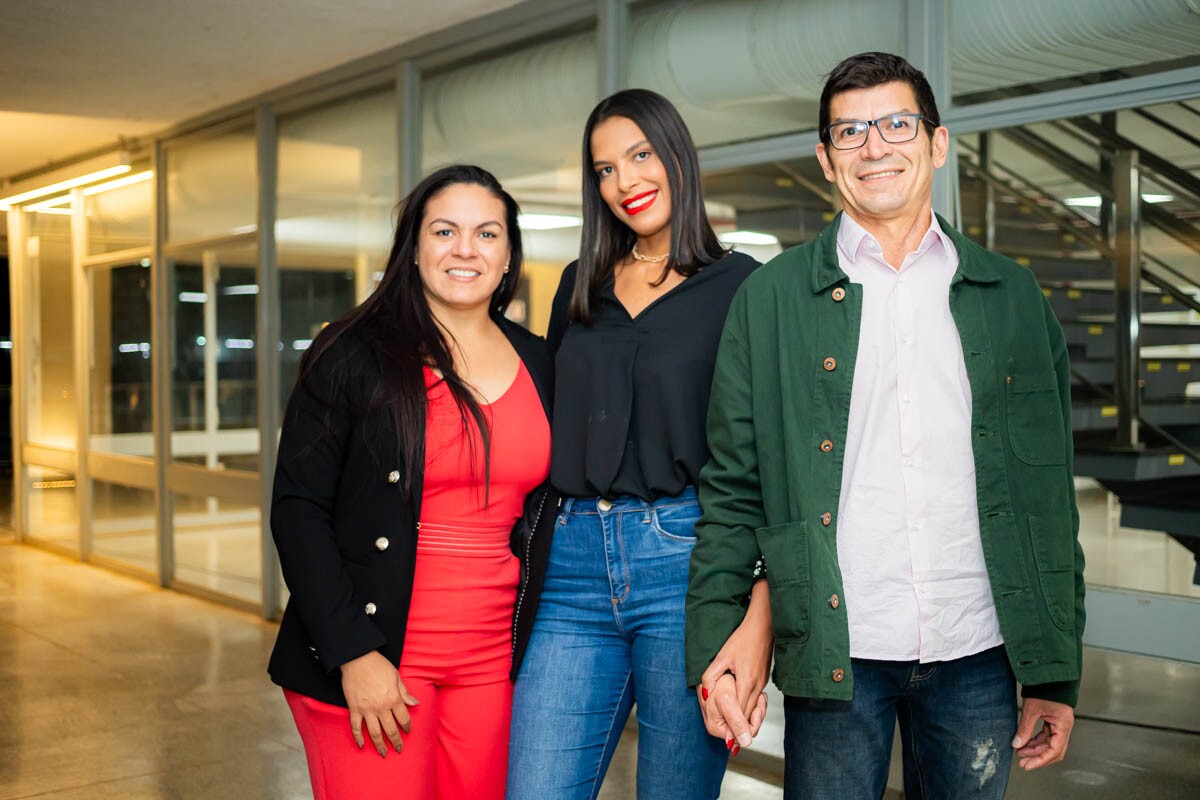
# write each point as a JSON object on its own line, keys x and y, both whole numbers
{"x": 1115, "y": 245}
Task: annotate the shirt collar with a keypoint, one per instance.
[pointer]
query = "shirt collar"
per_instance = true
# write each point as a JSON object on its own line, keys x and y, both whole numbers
{"x": 852, "y": 237}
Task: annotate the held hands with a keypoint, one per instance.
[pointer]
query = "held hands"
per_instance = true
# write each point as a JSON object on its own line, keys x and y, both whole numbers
{"x": 731, "y": 689}
{"x": 377, "y": 696}
{"x": 1049, "y": 746}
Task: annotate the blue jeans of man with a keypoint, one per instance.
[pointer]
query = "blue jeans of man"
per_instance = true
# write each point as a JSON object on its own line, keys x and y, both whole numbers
{"x": 609, "y": 635}
{"x": 957, "y": 721}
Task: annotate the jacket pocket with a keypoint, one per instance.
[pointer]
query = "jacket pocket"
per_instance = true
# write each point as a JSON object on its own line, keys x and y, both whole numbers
{"x": 785, "y": 552}
{"x": 1035, "y": 424}
{"x": 1054, "y": 552}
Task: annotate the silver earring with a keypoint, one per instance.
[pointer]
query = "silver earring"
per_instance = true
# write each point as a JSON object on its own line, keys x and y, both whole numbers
{"x": 506, "y": 269}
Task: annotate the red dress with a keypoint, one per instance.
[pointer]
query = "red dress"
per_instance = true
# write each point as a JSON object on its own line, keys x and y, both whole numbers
{"x": 458, "y": 639}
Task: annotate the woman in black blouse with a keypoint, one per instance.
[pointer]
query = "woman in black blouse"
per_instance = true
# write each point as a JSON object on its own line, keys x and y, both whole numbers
{"x": 635, "y": 324}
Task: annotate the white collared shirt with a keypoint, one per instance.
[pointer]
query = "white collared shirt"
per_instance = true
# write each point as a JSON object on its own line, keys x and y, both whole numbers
{"x": 915, "y": 582}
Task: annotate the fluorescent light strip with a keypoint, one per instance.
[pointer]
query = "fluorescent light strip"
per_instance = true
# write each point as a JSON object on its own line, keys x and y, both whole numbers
{"x": 91, "y": 177}
{"x": 748, "y": 237}
{"x": 547, "y": 222}
{"x": 128, "y": 180}
{"x": 241, "y": 288}
{"x": 52, "y": 203}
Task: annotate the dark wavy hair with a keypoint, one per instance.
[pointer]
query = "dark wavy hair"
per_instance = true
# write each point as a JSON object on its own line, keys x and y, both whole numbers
{"x": 396, "y": 323}
{"x": 606, "y": 240}
{"x": 868, "y": 70}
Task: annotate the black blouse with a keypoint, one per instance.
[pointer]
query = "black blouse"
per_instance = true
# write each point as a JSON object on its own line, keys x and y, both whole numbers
{"x": 631, "y": 394}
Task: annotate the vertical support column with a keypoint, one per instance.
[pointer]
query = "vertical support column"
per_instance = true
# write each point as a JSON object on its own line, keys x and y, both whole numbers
{"x": 161, "y": 345}
{"x": 989, "y": 192}
{"x": 927, "y": 48}
{"x": 17, "y": 267}
{"x": 210, "y": 273}
{"x": 612, "y": 34}
{"x": 1108, "y": 211}
{"x": 1128, "y": 293}
{"x": 81, "y": 311}
{"x": 408, "y": 109}
{"x": 269, "y": 344}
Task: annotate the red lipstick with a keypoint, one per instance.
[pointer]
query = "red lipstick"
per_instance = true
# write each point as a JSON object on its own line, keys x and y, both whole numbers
{"x": 639, "y": 206}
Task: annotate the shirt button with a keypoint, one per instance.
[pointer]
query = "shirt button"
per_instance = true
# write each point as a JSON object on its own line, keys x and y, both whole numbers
{"x": 604, "y": 504}
{"x": 907, "y": 399}
{"x": 382, "y": 543}
{"x": 830, "y": 364}
{"x": 826, "y": 446}
{"x": 394, "y": 476}
{"x": 839, "y": 675}
{"x": 826, "y": 518}
{"x": 839, "y": 294}
{"x": 834, "y": 601}
{"x": 908, "y": 462}
{"x": 370, "y": 609}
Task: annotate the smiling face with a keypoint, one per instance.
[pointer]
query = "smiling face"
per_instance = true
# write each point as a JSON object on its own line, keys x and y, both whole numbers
{"x": 880, "y": 181}
{"x": 631, "y": 177}
{"x": 463, "y": 248}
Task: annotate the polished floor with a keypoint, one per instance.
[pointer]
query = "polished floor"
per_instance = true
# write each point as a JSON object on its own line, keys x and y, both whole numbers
{"x": 110, "y": 688}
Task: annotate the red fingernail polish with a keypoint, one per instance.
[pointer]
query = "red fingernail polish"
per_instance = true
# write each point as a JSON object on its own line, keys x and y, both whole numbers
{"x": 729, "y": 744}
{"x": 703, "y": 693}
{"x": 736, "y": 749}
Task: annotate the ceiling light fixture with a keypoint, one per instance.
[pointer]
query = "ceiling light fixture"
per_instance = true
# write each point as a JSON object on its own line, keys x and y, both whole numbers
{"x": 91, "y": 177}
{"x": 748, "y": 237}
{"x": 548, "y": 222}
{"x": 127, "y": 180}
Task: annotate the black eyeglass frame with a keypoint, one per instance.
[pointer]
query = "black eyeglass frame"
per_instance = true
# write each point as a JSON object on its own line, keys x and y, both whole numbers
{"x": 874, "y": 123}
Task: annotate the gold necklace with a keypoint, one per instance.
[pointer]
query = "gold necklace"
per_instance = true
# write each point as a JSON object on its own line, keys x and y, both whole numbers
{"x": 651, "y": 259}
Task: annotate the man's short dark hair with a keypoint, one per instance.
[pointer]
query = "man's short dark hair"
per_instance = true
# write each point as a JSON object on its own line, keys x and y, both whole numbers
{"x": 867, "y": 70}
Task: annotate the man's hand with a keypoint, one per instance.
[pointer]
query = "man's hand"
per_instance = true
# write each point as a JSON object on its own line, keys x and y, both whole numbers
{"x": 1049, "y": 746}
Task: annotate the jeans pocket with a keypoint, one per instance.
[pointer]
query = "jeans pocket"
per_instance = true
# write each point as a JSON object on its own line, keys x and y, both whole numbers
{"x": 677, "y": 523}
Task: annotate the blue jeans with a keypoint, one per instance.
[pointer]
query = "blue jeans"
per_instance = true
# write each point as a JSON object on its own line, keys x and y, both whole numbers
{"x": 957, "y": 722}
{"x": 608, "y": 635}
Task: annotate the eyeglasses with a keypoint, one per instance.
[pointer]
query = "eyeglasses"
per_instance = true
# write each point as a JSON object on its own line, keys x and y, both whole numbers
{"x": 893, "y": 129}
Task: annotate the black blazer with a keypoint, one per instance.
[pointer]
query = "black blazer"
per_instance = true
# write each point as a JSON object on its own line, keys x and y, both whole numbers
{"x": 346, "y": 536}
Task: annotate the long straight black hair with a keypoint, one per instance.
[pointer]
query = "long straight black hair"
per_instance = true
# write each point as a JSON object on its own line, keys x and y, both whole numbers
{"x": 395, "y": 321}
{"x": 606, "y": 240}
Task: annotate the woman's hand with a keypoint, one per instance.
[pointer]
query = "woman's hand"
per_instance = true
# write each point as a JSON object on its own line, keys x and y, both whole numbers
{"x": 731, "y": 689}
{"x": 377, "y": 696}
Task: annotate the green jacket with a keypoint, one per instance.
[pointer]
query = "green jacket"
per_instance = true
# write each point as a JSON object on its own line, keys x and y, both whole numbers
{"x": 769, "y": 481}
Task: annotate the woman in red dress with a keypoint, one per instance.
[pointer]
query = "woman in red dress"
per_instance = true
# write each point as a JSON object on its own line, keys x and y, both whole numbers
{"x": 415, "y": 434}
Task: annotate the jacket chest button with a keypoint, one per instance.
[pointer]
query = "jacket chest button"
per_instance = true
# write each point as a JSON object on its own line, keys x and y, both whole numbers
{"x": 370, "y": 609}
{"x": 839, "y": 675}
{"x": 381, "y": 543}
{"x": 826, "y": 518}
{"x": 826, "y": 446}
{"x": 830, "y": 364}
{"x": 394, "y": 476}
{"x": 839, "y": 294}
{"x": 834, "y": 601}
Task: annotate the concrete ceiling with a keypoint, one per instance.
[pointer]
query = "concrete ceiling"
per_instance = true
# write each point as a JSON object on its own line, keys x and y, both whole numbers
{"x": 78, "y": 74}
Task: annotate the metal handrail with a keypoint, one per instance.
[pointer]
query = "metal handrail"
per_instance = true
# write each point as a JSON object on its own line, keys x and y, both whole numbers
{"x": 1095, "y": 241}
{"x": 1150, "y": 162}
{"x": 1109, "y": 396}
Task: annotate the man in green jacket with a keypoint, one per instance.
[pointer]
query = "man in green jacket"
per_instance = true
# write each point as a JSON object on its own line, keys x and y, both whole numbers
{"x": 890, "y": 432}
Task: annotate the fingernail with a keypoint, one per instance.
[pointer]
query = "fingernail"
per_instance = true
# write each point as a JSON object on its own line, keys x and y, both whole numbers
{"x": 729, "y": 744}
{"x": 1017, "y": 742}
{"x": 736, "y": 750}
{"x": 703, "y": 693}
{"x": 745, "y": 739}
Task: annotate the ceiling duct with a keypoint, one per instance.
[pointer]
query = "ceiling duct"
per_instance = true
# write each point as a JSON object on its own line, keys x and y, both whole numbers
{"x": 741, "y": 70}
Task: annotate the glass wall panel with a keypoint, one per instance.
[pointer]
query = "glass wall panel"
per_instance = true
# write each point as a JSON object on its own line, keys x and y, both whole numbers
{"x": 50, "y": 415}
{"x": 1023, "y": 46}
{"x": 214, "y": 387}
{"x": 217, "y": 545}
{"x": 337, "y": 194}
{"x": 123, "y": 524}
{"x": 742, "y": 70}
{"x": 762, "y": 209}
{"x": 52, "y": 512}
{"x": 212, "y": 188}
{"x": 120, "y": 213}
{"x": 121, "y": 412}
{"x": 533, "y": 102}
